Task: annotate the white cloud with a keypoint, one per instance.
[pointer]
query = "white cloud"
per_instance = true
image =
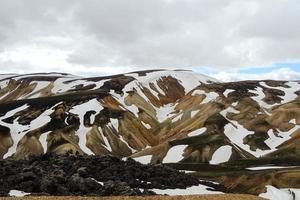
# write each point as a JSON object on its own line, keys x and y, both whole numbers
{"x": 278, "y": 74}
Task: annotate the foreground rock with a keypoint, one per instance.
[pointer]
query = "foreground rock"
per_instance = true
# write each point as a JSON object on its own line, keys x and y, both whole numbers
{"x": 88, "y": 175}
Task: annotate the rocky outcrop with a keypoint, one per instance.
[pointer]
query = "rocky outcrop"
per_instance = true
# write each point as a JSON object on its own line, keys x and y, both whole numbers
{"x": 67, "y": 175}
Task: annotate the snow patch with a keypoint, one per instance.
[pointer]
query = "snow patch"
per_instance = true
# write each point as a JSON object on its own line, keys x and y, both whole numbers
{"x": 270, "y": 167}
{"x": 40, "y": 85}
{"x": 80, "y": 110}
{"x": 236, "y": 133}
{"x": 17, "y": 193}
{"x": 260, "y": 95}
{"x": 188, "y": 79}
{"x": 164, "y": 112}
{"x": 274, "y": 193}
{"x": 18, "y": 131}
{"x": 275, "y": 140}
{"x": 193, "y": 113}
{"x": 114, "y": 123}
{"x": 209, "y": 96}
{"x": 197, "y": 132}
{"x": 227, "y": 91}
{"x": 289, "y": 92}
{"x": 292, "y": 121}
{"x": 43, "y": 140}
{"x": 178, "y": 117}
{"x": 99, "y": 182}
{"x": 144, "y": 159}
{"x": 221, "y": 155}
{"x": 108, "y": 147}
{"x": 146, "y": 125}
{"x": 175, "y": 154}
{"x": 199, "y": 189}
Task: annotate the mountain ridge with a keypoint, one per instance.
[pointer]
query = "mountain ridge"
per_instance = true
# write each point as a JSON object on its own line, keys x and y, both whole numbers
{"x": 153, "y": 116}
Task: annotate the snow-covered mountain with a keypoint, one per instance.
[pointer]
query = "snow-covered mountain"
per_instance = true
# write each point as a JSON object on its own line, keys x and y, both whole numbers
{"x": 156, "y": 116}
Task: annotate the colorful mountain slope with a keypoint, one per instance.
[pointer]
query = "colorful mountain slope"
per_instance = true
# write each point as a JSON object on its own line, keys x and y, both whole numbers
{"x": 156, "y": 116}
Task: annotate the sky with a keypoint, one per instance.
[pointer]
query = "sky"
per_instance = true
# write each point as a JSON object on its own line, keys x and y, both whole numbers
{"x": 227, "y": 39}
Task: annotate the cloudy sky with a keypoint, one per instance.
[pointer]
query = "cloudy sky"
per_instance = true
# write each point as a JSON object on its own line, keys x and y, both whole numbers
{"x": 227, "y": 39}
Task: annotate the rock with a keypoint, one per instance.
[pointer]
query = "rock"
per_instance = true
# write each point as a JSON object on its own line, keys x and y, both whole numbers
{"x": 79, "y": 185}
{"x": 119, "y": 188}
{"x": 87, "y": 175}
{"x": 82, "y": 172}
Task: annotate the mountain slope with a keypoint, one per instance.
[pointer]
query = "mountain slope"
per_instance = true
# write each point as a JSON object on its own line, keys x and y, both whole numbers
{"x": 152, "y": 116}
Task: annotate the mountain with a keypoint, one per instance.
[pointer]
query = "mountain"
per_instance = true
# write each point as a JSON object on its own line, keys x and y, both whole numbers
{"x": 189, "y": 121}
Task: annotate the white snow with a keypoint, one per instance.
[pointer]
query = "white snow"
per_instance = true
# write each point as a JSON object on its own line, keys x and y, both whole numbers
{"x": 114, "y": 123}
{"x": 14, "y": 111}
{"x": 35, "y": 93}
{"x": 18, "y": 131}
{"x": 198, "y": 92}
{"x": 158, "y": 88}
{"x": 235, "y": 103}
{"x": 221, "y": 155}
{"x": 197, "y": 132}
{"x": 178, "y": 117}
{"x": 236, "y": 133}
{"x": 3, "y": 84}
{"x": 61, "y": 86}
{"x": 144, "y": 159}
{"x": 209, "y": 96}
{"x": 99, "y": 182}
{"x": 108, "y": 147}
{"x": 289, "y": 92}
{"x": 269, "y": 167}
{"x": 260, "y": 95}
{"x": 188, "y": 79}
{"x": 44, "y": 74}
{"x": 229, "y": 109}
{"x": 44, "y": 118}
{"x": 17, "y": 193}
{"x": 146, "y": 125}
{"x": 43, "y": 140}
{"x": 193, "y": 113}
{"x": 134, "y": 109}
{"x": 227, "y": 91}
{"x": 274, "y": 193}
{"x": 174, "y": 154}
{"x": 164, "y": 112}
{"x": 199, "y": 189}
{"x": 274, "y": 141}
{"x": 121, "y": 99}
{"x": 292, "y": 121}
{"x": 80, "y": 110}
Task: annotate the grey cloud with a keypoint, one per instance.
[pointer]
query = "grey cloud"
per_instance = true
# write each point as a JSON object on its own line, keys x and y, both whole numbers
{"x": 157, "y": 33}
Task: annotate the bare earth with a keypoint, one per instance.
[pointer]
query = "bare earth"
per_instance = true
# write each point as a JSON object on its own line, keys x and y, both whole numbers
{"x": 191, "y": 197}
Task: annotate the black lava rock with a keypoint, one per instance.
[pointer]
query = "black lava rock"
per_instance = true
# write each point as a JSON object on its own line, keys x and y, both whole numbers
{"x": 52, "y": 174}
